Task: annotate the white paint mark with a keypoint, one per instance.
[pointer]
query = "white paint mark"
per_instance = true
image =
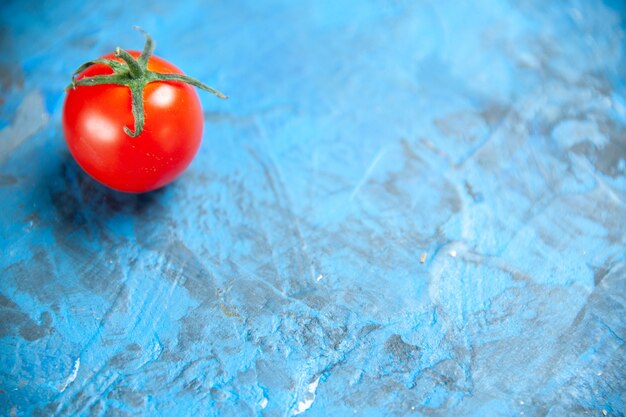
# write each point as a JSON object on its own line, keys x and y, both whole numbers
{"x": 528, "y": 60}
{"x": 584, "y": 163}
{"x": 368, "y": 173}
{"x": 30, "y": 117}
{"x": 521, "y": 402}
{"x": 319, "y": 278}
{"x": 618, "y": 106}
{"x": 309, "y": 397}
{"x": 263, "y": 402}
{"x": 576, "y": 15}
{"x": 453, "y": 253}
{"x": 571, "y": 132}
{"x": 72, "y": 376}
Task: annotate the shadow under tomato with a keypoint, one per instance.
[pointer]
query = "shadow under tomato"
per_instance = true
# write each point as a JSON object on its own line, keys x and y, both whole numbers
{"x": 75, "y": 196}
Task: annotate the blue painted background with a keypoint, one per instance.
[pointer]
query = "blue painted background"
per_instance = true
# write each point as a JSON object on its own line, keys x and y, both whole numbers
{"x": 281, "y": 273}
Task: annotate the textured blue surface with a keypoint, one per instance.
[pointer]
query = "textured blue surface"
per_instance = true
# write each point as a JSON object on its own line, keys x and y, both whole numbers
{"x": 282, "y": 273}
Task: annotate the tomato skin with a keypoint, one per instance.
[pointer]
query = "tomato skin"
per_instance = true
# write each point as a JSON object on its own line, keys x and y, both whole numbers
{"x": 94, "y": 118}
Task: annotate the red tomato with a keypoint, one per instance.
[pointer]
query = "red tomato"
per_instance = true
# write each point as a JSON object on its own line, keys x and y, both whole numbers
{"x": 94, "y": 118}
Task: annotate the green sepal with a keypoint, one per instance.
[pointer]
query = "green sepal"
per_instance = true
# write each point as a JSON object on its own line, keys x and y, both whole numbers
{"x": 157, "y": 76}
{"x": 117, "y": 67}
{"x": 118, "y": 79}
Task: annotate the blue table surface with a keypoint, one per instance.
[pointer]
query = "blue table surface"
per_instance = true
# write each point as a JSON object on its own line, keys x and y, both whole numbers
{"x": 406, "y": 208}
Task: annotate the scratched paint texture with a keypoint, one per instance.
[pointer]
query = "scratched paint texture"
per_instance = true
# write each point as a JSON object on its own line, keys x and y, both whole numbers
{"x": 281, "y": 274}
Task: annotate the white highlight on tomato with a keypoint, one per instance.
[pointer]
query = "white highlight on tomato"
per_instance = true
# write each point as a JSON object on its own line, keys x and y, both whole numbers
{"x": 163, "y": 96}
{"x": 100, "y": 127}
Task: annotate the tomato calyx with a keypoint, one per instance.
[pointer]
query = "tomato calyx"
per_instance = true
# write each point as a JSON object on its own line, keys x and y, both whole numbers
{"x": 134, "y": 74}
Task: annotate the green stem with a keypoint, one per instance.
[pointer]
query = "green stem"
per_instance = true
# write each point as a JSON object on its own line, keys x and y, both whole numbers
{"x": 136, "y": 89}
{"x": 134, "y": 74}
{"x": 135, "y": 69}
{"x": 148, "y": 48}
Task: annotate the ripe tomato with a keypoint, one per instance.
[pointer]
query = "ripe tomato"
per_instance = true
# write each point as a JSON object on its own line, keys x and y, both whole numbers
{"x": 94, "y": 118}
